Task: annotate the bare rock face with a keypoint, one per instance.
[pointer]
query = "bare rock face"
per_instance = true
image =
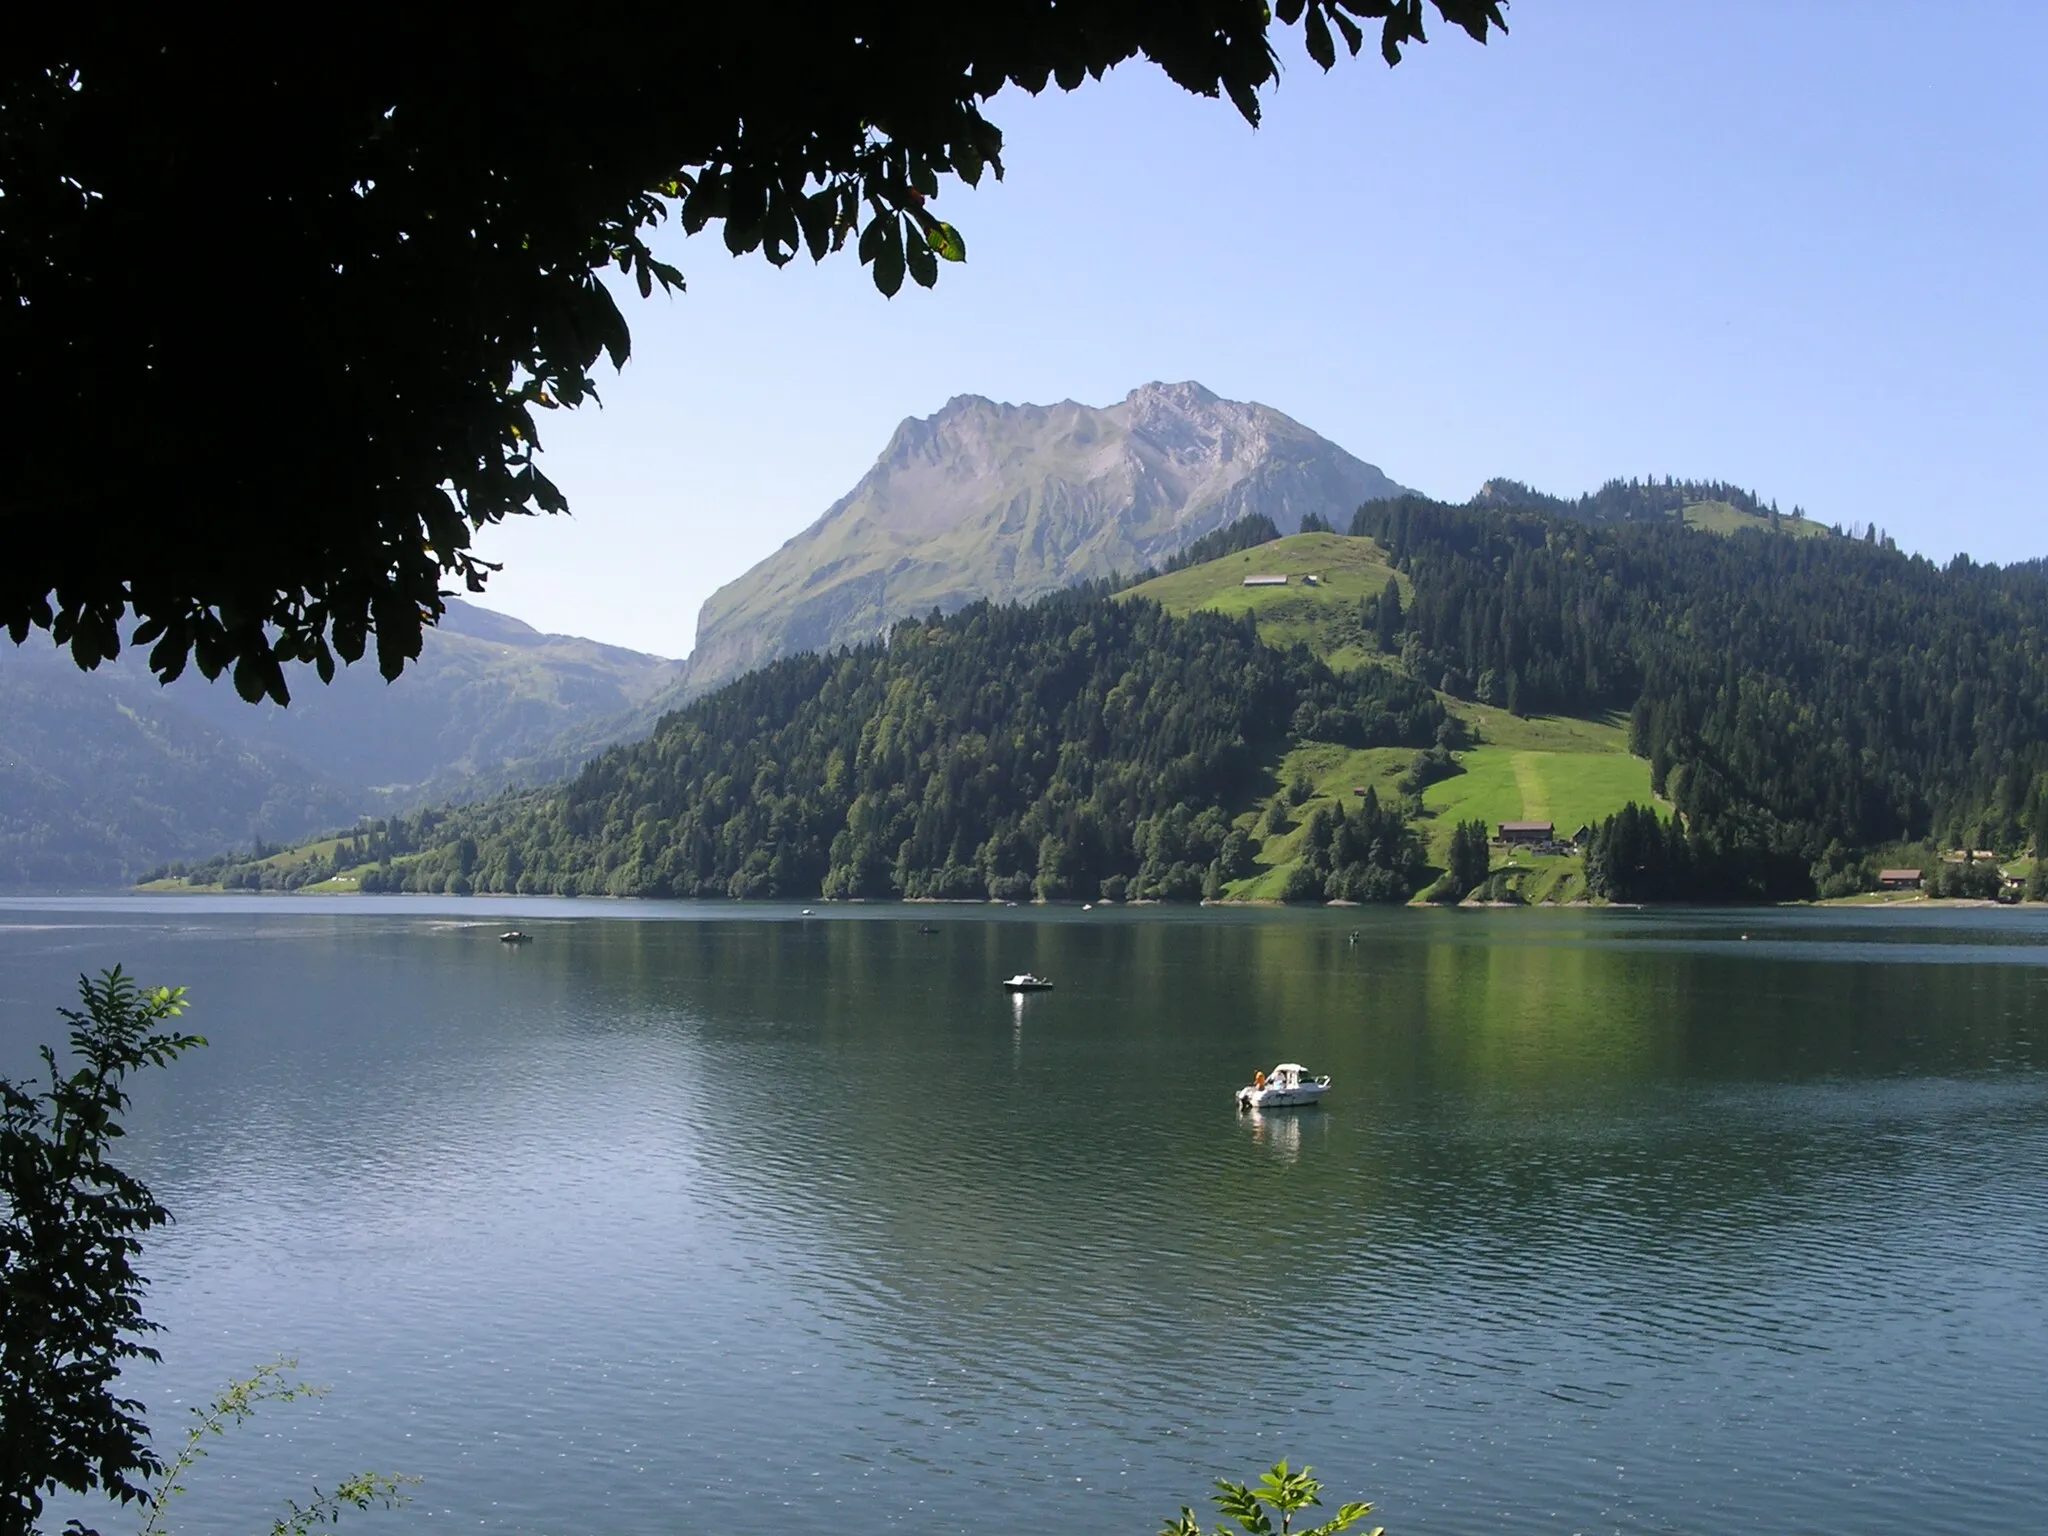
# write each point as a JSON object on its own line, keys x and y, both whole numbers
{"x": 1012, "y": 501}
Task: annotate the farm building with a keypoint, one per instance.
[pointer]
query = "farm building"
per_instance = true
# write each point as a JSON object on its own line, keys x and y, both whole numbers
{"x": 1513, "y": 832}
{"x": 1265, "y": 581}
{"x": 1898, "y": 879}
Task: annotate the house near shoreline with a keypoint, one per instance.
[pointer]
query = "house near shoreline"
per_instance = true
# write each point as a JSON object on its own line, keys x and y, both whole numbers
{"x": 1898, "y": 879}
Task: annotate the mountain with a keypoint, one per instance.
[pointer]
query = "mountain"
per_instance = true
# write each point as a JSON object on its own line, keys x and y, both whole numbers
{"x": 998, "y": 751}
{"x": 1809, "y": 707}
{"x": 491, "y": 701}
{"x": 102, "y": 775}
{"x": 1010, "y": 502}
{"x": 105, "y": 774}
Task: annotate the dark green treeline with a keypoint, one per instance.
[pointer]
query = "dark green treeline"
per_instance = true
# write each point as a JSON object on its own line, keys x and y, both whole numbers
{"x": 1003, "y": 751}
{"x": 1793, "y": 695}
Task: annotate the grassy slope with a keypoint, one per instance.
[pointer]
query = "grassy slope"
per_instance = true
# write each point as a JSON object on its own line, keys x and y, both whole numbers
{"x": 1720, "y": 517}
{"x": 290, "y": 859}
{"x": 1562, "y": 770}
{"x": 1323, "y": 617}
{"x": 1569, "y": 785}
{"x": 1568, "y": 771}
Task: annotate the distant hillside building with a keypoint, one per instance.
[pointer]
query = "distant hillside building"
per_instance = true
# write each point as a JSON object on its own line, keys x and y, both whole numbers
{"x": 1265, "y": 581}
{"x": 1898, "y": 879}
{"x": 1514, "y": 833}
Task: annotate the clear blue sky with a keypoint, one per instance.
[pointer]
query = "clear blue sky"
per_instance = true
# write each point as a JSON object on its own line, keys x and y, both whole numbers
{"x": 1796, "y": 246}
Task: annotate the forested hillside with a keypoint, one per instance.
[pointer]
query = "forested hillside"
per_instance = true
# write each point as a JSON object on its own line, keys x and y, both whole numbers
{"x": 1666, "y": 500}
{"x": 1797, "y": 699}
{"x": 491, "y": 701}
{"x": 1796, "y": 706}
{"x": 104, "y": 774}
{"x": 1076, "y": 746}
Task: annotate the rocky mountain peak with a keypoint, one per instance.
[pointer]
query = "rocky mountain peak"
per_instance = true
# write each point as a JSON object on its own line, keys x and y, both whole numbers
{"x": 985, "y": 499}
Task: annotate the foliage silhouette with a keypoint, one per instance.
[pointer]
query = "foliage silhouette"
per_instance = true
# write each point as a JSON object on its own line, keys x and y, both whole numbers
{"x": 277, "y": 324}
{"x": 70, "y": 1296}
{"x": 276, "y": 1382}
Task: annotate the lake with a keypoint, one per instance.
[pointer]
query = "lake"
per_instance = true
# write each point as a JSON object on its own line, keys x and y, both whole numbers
{"x": 717, "y": 1216}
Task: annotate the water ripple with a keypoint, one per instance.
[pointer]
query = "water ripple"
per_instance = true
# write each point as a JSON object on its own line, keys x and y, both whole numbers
{"x": 1615, "y": 1222}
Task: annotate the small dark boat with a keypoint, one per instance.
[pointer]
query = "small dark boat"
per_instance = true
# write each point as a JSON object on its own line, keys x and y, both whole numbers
{"x": 514, "y": 936}
{"x": 926, "y": 928}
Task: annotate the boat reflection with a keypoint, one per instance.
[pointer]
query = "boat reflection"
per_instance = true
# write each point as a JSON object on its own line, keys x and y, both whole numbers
{"x": 1279, "y": 1133}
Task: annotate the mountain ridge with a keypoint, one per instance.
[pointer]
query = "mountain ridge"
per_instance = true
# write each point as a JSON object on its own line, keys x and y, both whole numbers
{"x": 105, "y": 773}
{"x": 985, "y": 499}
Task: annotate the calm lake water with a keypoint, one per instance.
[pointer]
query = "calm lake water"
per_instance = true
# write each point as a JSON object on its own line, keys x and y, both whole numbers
{"x": 711, "y": 1217}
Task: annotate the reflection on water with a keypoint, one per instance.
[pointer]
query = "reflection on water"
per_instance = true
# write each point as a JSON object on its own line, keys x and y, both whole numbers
{"x": 1278, "y": 1130}
{"x": 1611, "y": 1220}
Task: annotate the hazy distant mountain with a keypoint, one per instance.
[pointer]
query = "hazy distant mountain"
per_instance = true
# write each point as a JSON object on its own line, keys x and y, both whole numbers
{"x": 490, "y": 701}
{"x": 104, "y": 774}
{"x": 1014, "y": 501}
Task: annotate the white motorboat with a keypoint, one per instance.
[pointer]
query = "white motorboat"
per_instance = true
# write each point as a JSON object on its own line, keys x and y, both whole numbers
{"x": 1287, "y": 1086}
{"x": 1024, "y": 981}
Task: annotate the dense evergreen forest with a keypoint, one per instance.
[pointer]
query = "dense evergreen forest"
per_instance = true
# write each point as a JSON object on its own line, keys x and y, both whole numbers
{"x": 1803, "y": 703}
{"x": 1076, "y": 747}
{"x": 1627, "y": 501}
{"x": 1798, "y": 699}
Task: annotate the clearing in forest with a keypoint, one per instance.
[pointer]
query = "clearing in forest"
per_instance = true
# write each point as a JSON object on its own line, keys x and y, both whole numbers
{"x": 1325, "y": 617}
{"x": 1571, "y": 789}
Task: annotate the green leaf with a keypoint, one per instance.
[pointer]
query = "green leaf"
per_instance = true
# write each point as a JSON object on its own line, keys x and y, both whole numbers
{"x": 1347, "y": 1516}
{"x": 872, "y": 239}
{"x": 889, "y": 257}
{"x": 249, "y": 678}
{"x": 924, "y": 267}
{"x": 814, "y": 214}
{"x": 1321, "y": 47}
{"x": 1239, "y": 1503}
{"x": 945, "y": 241}
{"x": 968, "y": 161}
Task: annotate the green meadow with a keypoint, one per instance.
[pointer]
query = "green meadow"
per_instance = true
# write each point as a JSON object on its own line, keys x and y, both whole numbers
{"x": 1720, "y": 517}
{"x": 1325, "y": 617}
{"x": 1512, "y": 783}
{"x": 1567, "y": 771}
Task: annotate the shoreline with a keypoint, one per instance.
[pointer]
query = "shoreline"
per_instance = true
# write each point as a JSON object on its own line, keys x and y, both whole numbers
{"x": 1867, "y": 900}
